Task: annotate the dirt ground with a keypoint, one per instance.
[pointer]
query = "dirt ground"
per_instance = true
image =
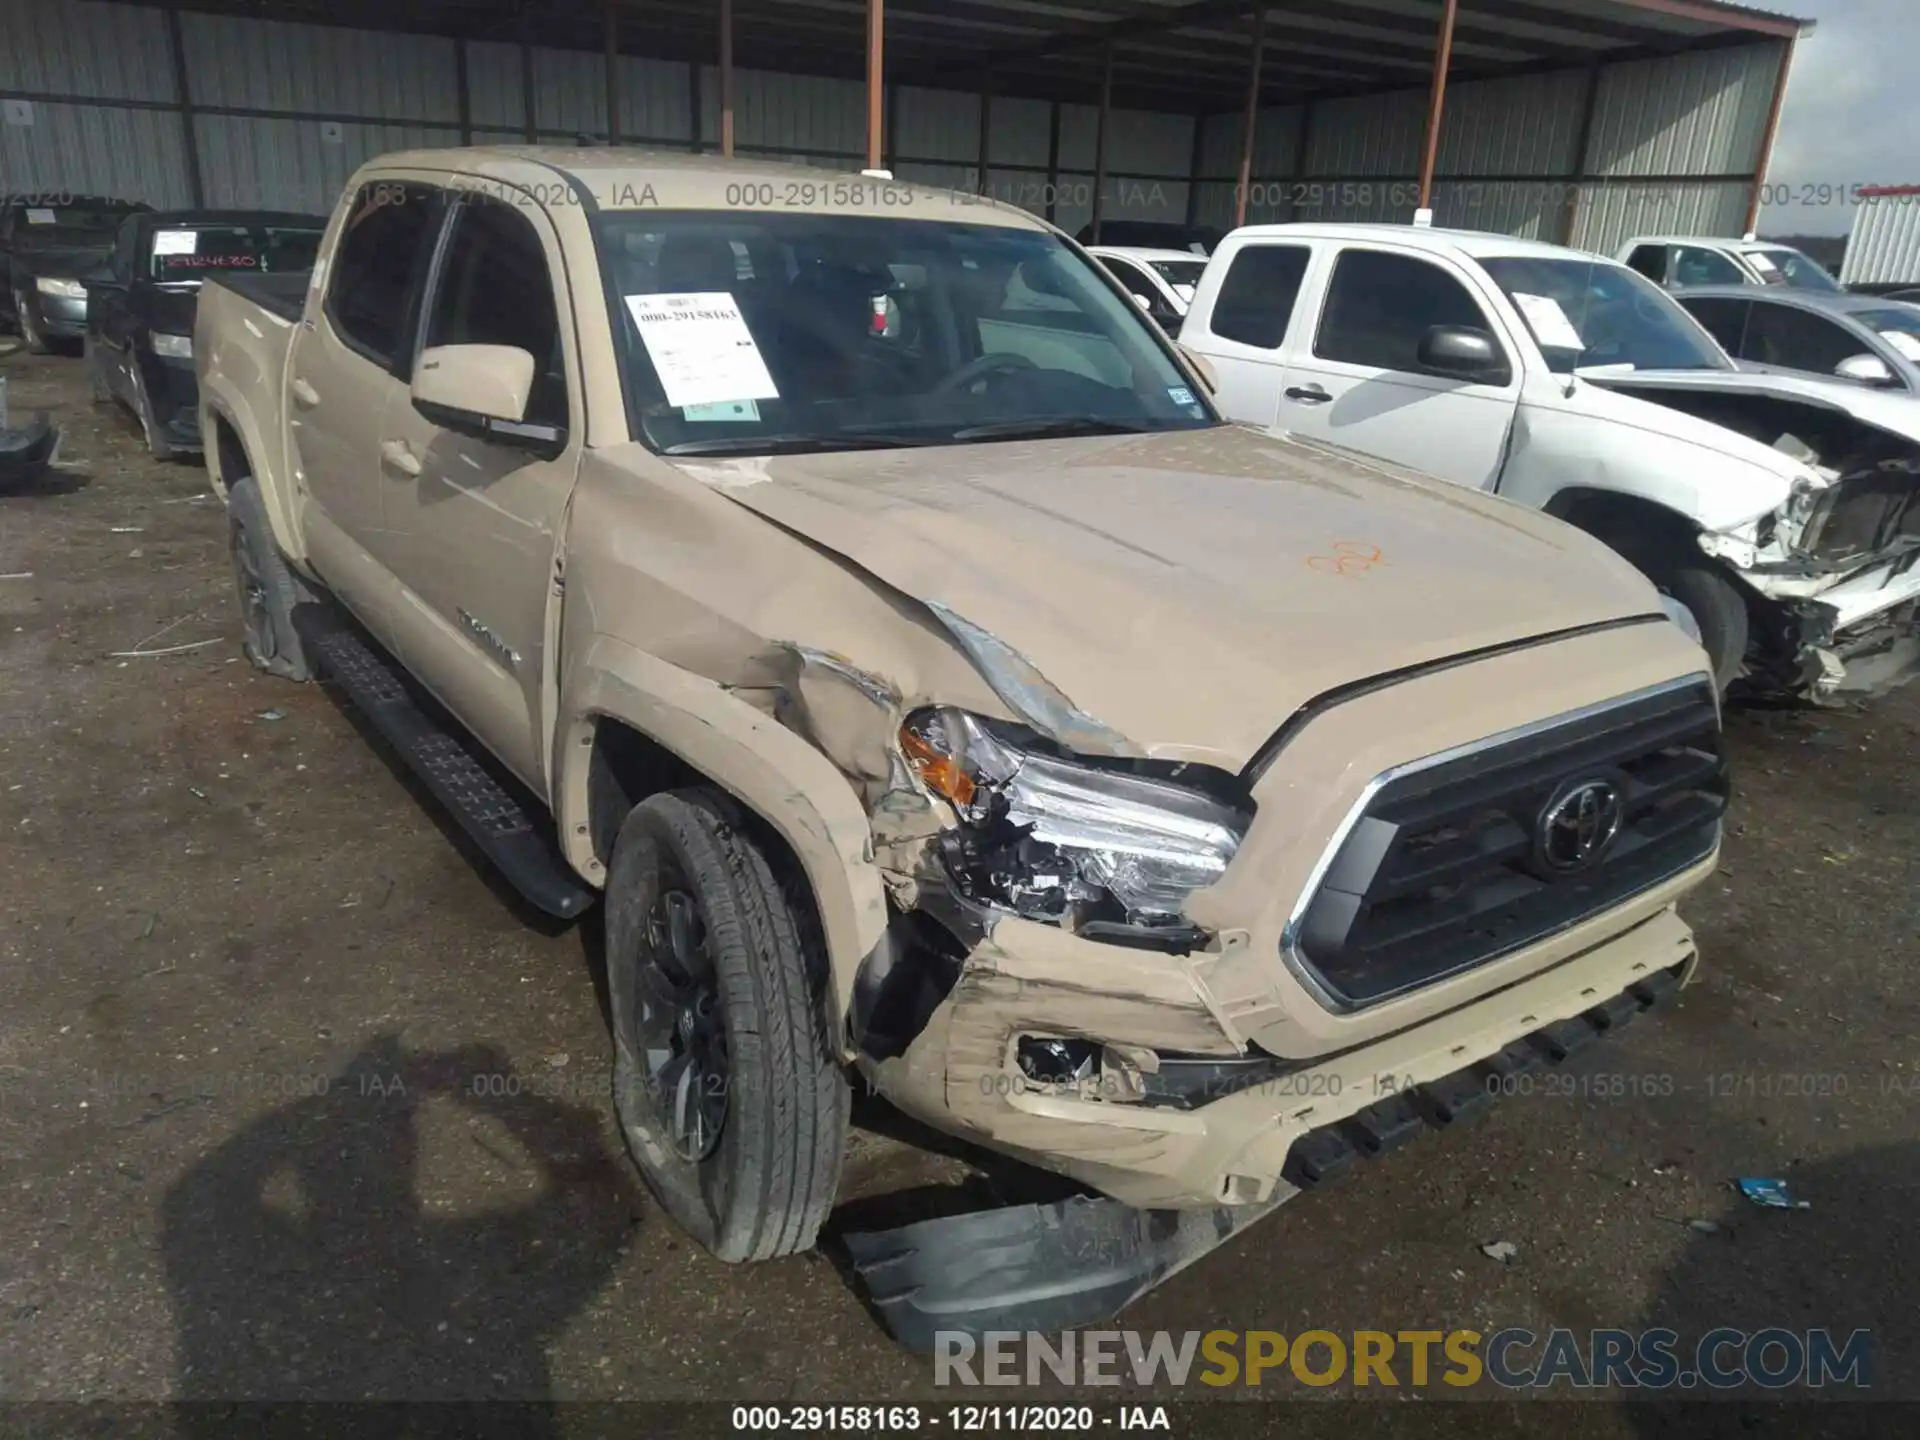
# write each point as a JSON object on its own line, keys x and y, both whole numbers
{"x": 294, "y": 1102}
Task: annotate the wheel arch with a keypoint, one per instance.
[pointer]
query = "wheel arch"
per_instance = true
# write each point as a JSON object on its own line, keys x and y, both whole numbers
{"x": 1631, "y": 524}
{"x": 233, "y": 447}
{"x": 633, "y": 724}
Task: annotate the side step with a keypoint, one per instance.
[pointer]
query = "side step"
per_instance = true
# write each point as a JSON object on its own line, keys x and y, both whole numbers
{"x": 516, "y": 842}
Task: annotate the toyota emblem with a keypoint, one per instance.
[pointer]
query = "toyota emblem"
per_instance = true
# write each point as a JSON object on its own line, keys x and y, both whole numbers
{"x": 1579, "y": 823}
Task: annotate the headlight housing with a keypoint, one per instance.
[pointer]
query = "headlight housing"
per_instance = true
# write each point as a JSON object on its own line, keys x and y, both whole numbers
{"x": 1055, "y": 839}
{"x": 63, "y": 289}
{"x": 173, "y": 347}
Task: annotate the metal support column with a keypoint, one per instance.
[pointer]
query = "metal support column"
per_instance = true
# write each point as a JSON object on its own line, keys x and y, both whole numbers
{"x": 986, "y": 126}
{"x": 1252, "y": 120}
{"x": 463, "y": 91}
{"x": 876, "y": 81}
{"x": 1100, "y": 139}
{"x": 726, "y": 78}
{"x": 190, "y": 142}
{"x": 1772, "y": 134}
{"x": 1436, "y": 106}
{"x": 613, "y": 71}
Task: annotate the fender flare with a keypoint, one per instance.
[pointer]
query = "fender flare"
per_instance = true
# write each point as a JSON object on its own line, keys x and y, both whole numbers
{"x": 768, "y": 768}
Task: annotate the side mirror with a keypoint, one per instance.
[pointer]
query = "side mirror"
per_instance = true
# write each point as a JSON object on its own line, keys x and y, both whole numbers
{"x": 481, "y": 390}
{"x": 1866, "y": 370}
{"x": 1463, "y": 352}
{"x": 1202, "y": 367}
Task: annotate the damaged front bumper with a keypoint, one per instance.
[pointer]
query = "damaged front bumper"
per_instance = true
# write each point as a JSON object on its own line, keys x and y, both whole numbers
{"x": 1835, "y": 636}
{"x": 1130, "y": 1129}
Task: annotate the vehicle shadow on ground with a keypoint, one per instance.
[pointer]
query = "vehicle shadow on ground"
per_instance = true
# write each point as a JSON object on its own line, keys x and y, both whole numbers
{"x": 308, "y": 1257}
{"x": 1849, "y": 1262}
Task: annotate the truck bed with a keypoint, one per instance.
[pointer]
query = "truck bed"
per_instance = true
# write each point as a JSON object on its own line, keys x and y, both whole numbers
{"x": 284, "y": 294}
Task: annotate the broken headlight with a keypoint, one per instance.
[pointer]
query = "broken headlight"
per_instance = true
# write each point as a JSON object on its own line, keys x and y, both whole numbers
{"x": 1053, "y": 838}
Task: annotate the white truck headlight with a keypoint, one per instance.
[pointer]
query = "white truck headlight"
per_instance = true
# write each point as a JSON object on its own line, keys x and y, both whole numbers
{"x": 63, "y": 289}
{"x": 174, "y": 347}
{"x": 1053, "y": 838}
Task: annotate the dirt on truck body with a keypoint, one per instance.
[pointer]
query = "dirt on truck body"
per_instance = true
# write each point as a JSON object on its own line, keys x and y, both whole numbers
{"x": 860, "y": 598}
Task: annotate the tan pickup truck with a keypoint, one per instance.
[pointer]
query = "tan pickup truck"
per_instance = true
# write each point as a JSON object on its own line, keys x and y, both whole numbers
{"x": 848, "y": 584}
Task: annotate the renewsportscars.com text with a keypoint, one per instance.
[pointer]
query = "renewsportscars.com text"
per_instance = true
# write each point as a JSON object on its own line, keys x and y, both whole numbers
{"x": 1507, "y": 1359}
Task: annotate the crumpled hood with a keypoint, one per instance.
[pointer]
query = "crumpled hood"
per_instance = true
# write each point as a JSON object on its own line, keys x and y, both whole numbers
{"x": 1893, "y": 411}
{"x": 1191, "y": 590}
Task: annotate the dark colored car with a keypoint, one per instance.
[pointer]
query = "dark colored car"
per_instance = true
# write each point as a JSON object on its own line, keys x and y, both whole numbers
{"x": 44, "y": 250}
{"x": 1153, "y": 235}
{"x": 140, "y": 322}
{"x": 1870, "y": 340}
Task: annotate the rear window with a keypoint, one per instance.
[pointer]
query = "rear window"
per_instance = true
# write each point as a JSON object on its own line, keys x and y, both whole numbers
{"x": 180, "y": 253}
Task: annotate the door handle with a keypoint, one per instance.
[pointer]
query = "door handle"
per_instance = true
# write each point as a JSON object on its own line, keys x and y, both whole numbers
{"x": 1308, "y": 394}
{"x": 397, "y": 454}
{"x": 304, "y": 395}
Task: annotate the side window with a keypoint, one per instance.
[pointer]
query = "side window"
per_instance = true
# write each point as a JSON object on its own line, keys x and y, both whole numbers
{"x": 1650, "y": 261}
{"x": 1726, "y": 320}
{"x": 1257, "y": 296}
{"x": 1694, "y": 266}
{"x": 1798, "y": 340}
{"x": 1135, "y": 283}
{"x": 383, "y": 245}
{"x": 1380, "y": 307}
{"x": 494, "y": 289}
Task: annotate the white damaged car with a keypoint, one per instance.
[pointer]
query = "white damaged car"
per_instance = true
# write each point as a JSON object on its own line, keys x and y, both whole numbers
{"x": 1780, "y": 512}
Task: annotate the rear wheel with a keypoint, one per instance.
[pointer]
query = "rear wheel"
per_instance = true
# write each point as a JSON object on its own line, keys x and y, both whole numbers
{"x": 728, "y": 1091}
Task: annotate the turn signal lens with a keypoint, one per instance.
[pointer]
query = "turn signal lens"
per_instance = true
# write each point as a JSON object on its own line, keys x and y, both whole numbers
{"x": 941, "y": 773}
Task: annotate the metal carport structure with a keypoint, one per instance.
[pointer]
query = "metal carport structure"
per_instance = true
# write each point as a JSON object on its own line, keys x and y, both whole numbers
{"x": 1570, "y": 119}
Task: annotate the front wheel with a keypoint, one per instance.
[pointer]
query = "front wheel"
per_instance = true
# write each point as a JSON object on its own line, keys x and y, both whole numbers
{"x": 727, "y": 1088}
{"x": 1717, "y": 608}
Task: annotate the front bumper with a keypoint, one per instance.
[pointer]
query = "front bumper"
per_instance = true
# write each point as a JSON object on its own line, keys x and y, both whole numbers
{"x": 173, "y": 390}
{"x": 962, "y": 1075}
{"x": 1855, "y": 638}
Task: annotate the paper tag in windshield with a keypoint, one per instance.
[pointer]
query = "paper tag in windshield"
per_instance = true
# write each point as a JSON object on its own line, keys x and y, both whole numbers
{"x": 701, "y": 348}
{"x": 1907, "y": 345}
{"x": 41, "y": 217}
{"x": 1550, "y": 324}
{"x": 1761, "y": 261}
{"x": 175, "y": 242}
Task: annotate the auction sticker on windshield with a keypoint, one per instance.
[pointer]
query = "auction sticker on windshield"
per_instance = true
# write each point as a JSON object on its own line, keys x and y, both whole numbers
{"x": 1550, "y": 324}
{"x": 42, "y": 217}
{"x": 701, "y": 348}
{"x": 175, "y": 242}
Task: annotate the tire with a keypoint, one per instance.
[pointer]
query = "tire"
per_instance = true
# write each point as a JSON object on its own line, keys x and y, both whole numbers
{"x": 29, "y": 331}
{"x": 266, "y": 589}
{"x": 750, "y": 1163}
{"x": 1718, "y": 609}
{"x": 158, "y": 445}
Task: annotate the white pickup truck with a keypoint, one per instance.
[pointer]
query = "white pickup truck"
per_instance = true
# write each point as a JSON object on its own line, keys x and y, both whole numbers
{"x": 1781, "y": 512}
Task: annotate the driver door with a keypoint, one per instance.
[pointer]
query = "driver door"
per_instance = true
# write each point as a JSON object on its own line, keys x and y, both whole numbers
{"x": 476, "y": 521}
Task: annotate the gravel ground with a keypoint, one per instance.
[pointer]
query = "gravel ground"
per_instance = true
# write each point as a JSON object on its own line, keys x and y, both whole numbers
{"x": 218, "y": 901}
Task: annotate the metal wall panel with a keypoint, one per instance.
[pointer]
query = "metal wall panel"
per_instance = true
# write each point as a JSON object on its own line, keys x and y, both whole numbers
{"x": 494, "y": 96}
{"x": 655, "y": 100}
{"x": 1609, "y": 215}
{"x": 813, "y": 115}
{"x": 1370, "y": 135}
{"x": 938, "y": 124}
{"x": 1700, "y": 114}
{"x": 318, "y": 69}
{"x": 1276, "y": 142}
{"x": 1884, "y": 245}
{"x": 1019, "y": 131}
{"x": 251, "y": 163}
{"x": 77, "y": 47}
{"x": 1528, "y": 125}
{"x": 97, "y": 150}
{"x": 570, "y": 93}
{"x": 1139, "y": 142}
{"x": 1028, "y": 189}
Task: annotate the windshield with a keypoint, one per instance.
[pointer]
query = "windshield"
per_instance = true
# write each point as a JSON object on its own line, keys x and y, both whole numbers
{"x": 763, "y": 333}
{"x": 183, "y": 255}
{"x": 1782, "y": 266}
{"x": 1593, "y": 312}
{"x": 1183, "y": 275}
{"x": 51, "y": 225}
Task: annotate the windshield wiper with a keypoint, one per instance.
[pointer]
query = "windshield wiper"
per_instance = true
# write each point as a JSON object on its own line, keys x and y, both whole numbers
{"x": 792, "y": 444}
{"x": 1046, "y": 427}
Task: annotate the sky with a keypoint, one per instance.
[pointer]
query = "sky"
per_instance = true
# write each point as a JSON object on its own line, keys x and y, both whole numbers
{"x": 1852, "y": 115}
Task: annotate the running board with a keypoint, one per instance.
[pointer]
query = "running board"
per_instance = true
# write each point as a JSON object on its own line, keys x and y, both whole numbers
{"x": 517, "y": 843}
